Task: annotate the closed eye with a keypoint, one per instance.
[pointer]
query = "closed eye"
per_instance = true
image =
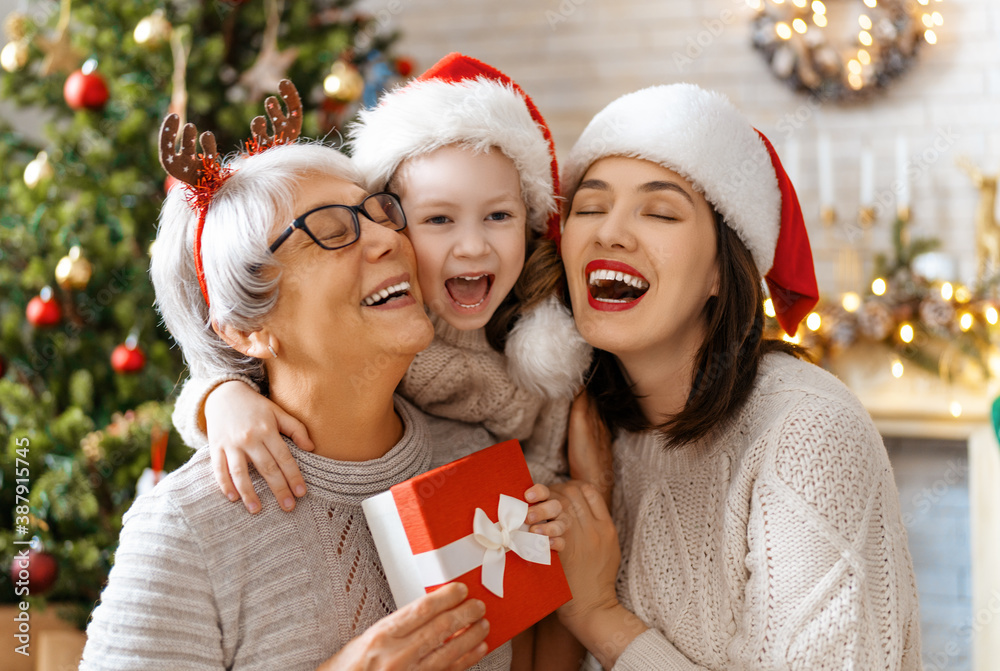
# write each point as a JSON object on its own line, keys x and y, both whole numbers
{"x": 586, "y": 212}
{"x": 663, "y": 217}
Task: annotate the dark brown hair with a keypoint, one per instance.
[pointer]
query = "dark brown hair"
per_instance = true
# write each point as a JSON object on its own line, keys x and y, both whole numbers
{"x": 726, "y": 363}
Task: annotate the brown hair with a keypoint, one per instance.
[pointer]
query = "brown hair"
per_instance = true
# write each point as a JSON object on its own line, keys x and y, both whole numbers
{"x": 726, "y": 363}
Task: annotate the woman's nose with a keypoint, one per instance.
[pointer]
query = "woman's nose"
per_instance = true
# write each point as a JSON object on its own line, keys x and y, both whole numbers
{"x": 378, "y": 240}
{"x": 615, "y": 229}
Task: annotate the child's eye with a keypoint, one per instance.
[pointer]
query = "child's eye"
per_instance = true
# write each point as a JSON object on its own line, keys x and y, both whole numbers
{"x": 498, "y": 216}
{"x": 586, "y": 211}
{"x": 439, "y": 219}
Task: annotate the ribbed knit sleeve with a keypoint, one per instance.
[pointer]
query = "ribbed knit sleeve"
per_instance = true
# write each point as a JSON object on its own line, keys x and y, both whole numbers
{"x": 189, "y": 409}
{"x": 174, "y": 625}
{"x": 779, "y": 544}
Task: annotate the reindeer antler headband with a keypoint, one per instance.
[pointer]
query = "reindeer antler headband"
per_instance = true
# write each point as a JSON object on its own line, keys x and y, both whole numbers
{"x": 204, "y": 171}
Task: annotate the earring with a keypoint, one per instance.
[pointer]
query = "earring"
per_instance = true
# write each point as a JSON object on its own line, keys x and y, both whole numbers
{"x": 271, "y": 350}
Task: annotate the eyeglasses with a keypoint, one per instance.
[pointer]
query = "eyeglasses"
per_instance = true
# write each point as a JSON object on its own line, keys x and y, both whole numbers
{"x": 337, "y": 226}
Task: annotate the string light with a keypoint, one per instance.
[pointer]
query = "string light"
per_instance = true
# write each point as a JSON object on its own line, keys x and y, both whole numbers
{"x": 878, "y": 287}
{"x": 819, "y": 20}
{"x": 783, "y": 30}
{"x": 851, "y": 301}
{"x": 956, "y": 409}
{"x": 865, "y": 22}
{"x": 962, "y": 294}
{"x": 769, "y": 308}
{"x": 799, "y": 3}
{"x": 930, "y": 36}
{"x": 938, "y": 19}
{"x": 897, "y": 368}
{"x": 800, "y": 26}
{"x": 928, "y": 21}
{"x": 854, "y": 67}
{"x": 813, "y": 321}
{"x": 855, "y": 81}
{"x": 864, "y": 57}
{"x": 792, "y": 339}
{"x": 871, "y": 3}
{"x": 947, "y": 291}
{"x": 818, "y": 7}
{"x": 965, "y": 321}
{"x": 753, "y": 4}
{"x": 991, "y": 315}
{"x": 906, "y": 333}
{"x": 865, "y": 38}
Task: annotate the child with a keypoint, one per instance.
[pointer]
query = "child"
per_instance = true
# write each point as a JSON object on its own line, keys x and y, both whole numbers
{"x": 474, "y": 165}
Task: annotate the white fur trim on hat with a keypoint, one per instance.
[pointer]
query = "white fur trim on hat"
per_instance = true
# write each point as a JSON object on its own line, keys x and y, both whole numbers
{"x": 479, "y": 113}
{"x": 703, "y": 137}
{"x": 545, "y": 353}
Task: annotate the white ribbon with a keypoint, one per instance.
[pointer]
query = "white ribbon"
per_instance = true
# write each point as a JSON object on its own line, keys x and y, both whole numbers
{"x": 509, "y": 533}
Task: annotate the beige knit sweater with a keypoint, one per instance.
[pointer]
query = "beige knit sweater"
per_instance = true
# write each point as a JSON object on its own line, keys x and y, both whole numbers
{"x": 459, "y": 376}
{"x": 200, "y": 584}
{"x": 775, "y": 544}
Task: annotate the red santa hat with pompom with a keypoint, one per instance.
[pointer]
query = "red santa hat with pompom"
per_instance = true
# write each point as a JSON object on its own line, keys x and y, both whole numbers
{"x": 700, "y": 135}
{"x": 463, "y": 101}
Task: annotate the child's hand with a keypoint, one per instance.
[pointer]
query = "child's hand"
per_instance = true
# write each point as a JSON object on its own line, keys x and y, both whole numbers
{"x": 589, "y": 447}
{"x": 242, "y": 425}
{"x": 545, "y": 516}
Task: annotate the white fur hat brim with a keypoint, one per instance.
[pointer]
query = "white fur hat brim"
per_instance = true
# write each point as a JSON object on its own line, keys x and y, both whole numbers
{"x": 478, "y": 113}
{"x": 696, "y": 133}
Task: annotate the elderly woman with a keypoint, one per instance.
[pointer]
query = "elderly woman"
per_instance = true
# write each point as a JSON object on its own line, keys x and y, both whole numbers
{"x": 311, "y": 292}
{"x": 755, "y": 523}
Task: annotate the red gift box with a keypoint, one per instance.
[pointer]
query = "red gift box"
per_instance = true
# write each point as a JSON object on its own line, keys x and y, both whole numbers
{"x": 464, "y": 521}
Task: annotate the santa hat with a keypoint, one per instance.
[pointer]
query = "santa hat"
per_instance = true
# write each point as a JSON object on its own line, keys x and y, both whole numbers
{"x": 463, "y": 101}
{"x": 700, "y": 135}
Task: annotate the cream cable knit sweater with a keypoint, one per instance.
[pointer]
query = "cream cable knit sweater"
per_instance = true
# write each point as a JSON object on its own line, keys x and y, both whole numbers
{"x": 776, "y": 544}
{"x": 200, "y": 584}
{"x": 459, "y": 376}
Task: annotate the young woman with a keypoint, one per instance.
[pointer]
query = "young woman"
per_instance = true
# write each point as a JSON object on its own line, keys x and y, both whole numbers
{"x": 755, "y": 523}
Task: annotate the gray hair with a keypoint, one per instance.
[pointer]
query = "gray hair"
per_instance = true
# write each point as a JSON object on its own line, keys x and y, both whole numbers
{"x": 241, "y": 273}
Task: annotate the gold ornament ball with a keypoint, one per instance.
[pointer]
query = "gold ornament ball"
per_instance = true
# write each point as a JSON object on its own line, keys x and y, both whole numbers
{"x": 14, "y": 56}
{"x": 73, "y": 271}
{"x": 344, "y": 83}
{"x": 153, "y": 30}
{"x": 37, "y": 171}
{"x": 16, "y": 25}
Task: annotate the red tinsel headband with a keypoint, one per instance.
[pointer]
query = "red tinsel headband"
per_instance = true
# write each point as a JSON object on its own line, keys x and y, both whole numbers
{"x": 204, "y": 172}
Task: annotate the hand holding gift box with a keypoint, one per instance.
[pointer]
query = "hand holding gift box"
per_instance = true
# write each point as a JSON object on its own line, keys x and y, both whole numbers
{"x": 439, "y": 527}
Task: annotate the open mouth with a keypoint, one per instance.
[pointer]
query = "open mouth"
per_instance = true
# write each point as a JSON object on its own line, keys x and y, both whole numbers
{"x": 396, "y": 291}
{"x": 614, "y": 286}
{"x": 469, "y": 291}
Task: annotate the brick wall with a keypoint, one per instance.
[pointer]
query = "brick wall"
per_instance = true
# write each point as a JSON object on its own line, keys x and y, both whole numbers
{"x": 575, "y": 56}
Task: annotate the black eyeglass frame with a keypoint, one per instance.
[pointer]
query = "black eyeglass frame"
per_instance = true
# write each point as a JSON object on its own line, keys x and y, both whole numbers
{"x": 300, "y": 222}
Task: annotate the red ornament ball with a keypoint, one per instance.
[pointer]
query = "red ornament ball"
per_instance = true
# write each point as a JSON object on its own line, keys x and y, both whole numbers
{"x": 43, "y": 310}
{"x": 85, "y": 91}
{"x": 128, "y": 358}
{"x": 404, "y": 66}
{"x": 38, "y": 570}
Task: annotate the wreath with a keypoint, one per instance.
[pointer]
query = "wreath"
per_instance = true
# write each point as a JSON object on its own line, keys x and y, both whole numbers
{"x": 803, "y": 42}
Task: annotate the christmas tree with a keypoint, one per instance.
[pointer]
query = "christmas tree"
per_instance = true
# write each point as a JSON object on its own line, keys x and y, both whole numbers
{"x": 87, "y": 372}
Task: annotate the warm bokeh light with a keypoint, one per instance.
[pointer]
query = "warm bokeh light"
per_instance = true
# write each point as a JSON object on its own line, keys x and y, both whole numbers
{"x": 947, "y": 291}
{"x": 792, "y": 339}
{"x": 865, "y": 22}
{"x": 938, "y": 19}
{"x": 769, "y": 307}
{"x": 799, "y": 3}
{"x": 818, "y": 7}
{"x": 819, "y": 20}
{"x": 783, "y": 29}
{"x": 851, "y": 301}
{"x": 928, "y": 21}
{"x": 956, "y": 409}
{"x": 991, "y": 315}
{"x": 930, "y": 36}
{"x": 864, "y": 57}
{"x": 854, "y": 67}
{"x": 814, "y": 321}
{"x": 800, "y": 26}
{"x": 855, "y": 81}
{"x": 906, "y": 333}
{"x": 871, "y": 3}
{"x": 878, "y": 286}
{"x": 965, "y": 321}
{"x": 962, "y": 294}
{"x": 897, "y": 368}
{"x": 865, "y": 38}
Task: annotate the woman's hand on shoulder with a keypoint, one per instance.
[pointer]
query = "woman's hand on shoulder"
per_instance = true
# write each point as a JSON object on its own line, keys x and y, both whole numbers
{"x": 442, "y": 631}
{"x": 242, "y": 427}
{"x": 588, "y": 447}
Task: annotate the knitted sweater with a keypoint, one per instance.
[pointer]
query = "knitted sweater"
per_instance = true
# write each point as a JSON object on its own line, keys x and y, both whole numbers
{"x": 775, "y": 544}
{"x": 200, "y": 584}
{"x": 459, "y": 376}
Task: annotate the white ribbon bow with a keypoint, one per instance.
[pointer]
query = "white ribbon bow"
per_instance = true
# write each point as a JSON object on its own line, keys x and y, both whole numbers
{"x": 509, "y": 533}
